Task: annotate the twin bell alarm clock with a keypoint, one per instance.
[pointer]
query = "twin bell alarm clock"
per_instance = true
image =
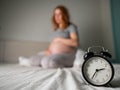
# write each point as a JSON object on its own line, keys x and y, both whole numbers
{"x": 97, "y": 70}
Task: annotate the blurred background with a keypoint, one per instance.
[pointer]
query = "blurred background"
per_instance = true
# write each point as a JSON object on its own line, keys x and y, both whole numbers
{"x": 30, "y": 20}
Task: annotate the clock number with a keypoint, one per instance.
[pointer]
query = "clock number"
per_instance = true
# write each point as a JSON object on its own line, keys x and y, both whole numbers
{"x": 106, "y": 75}
{"x": 103, "y": 79}
{"x": 105, "y": 65}
{"x": 101, "y": 61}
{"x": 96, "y": 60}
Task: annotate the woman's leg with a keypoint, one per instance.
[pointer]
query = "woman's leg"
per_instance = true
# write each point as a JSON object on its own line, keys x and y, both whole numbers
{"x": 58, "y": 60}
{"x": 36, "y": 60}
{"x": 50, "y": 62}
{"x": 32, "y": 61}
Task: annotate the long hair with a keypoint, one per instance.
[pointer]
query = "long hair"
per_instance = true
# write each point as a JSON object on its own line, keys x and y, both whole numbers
{"x": 65, "y": 17}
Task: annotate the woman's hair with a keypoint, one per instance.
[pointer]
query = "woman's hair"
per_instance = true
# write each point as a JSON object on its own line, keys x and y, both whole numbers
{"x": 65, "y": 17}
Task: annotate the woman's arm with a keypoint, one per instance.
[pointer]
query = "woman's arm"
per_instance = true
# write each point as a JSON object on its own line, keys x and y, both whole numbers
{"x": 73, "y": 41}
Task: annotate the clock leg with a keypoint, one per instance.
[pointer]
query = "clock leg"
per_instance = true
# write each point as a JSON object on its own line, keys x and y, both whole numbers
{"x": 108, "y": 85}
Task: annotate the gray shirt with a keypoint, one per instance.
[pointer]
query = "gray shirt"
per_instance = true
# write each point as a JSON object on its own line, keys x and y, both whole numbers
{"x": 65, "y": 33}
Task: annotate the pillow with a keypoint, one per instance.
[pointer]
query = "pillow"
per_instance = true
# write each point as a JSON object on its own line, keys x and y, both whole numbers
{"x": 79, "y": 58}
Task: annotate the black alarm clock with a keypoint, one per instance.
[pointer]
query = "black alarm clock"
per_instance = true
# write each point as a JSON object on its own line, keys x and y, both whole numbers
{"x": 97, "y": 70}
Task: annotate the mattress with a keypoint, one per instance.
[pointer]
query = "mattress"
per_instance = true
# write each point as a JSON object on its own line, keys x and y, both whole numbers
{"x": 16, "y": 77}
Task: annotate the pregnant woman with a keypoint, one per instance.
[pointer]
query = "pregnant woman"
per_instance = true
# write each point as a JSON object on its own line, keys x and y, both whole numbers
{"x": 62, "y": 49}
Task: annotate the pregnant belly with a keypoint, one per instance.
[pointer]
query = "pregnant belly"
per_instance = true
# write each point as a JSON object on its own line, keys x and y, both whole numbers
{"x": 57, "y": 48}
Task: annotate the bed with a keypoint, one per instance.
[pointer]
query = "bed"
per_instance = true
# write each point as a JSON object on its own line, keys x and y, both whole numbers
{"x": 16, "y": 77}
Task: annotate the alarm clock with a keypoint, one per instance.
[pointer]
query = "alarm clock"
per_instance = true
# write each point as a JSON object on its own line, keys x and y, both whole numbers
{"x": 97, "y": 70}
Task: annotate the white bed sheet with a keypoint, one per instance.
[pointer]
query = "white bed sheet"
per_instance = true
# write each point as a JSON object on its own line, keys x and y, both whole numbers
{"x": 16, "y": 77}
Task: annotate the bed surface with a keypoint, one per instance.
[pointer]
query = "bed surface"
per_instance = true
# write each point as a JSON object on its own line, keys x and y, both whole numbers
{"x": 16, "y": 77}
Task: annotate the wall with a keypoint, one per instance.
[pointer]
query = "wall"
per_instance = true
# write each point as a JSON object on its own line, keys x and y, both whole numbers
{"x": 1, "y": 50}
{"x": 11, "y": 50}
{"x": 31, "y": 20}
{"x": 107, "y": 26}
{"x": 115, "y": 6}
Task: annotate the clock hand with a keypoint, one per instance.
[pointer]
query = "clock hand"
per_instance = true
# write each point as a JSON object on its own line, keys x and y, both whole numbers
{"x": 95, "y": 73}
{"x": 97, "y": 70}
{"x": 101, "y": 69}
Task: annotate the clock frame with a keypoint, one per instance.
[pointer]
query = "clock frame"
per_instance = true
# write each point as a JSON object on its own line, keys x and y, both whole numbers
{"x": 104, "y": 55}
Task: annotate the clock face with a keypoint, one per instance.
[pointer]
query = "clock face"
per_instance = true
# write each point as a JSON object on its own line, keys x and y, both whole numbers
{"x": 97, "y": 71}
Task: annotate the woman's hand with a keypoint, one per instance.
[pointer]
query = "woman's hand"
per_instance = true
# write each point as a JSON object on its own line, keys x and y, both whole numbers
{"x": 47, "y": 52}
{"x": 72, "y": 41}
